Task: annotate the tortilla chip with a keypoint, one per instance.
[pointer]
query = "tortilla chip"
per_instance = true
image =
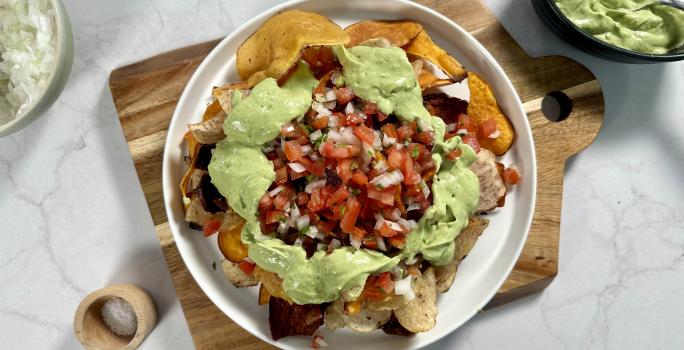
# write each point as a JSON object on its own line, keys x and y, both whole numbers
{"x": 423, "y": 46}
{"x": 224, "y": 96}
{"x": 292, "y": 319}
{"x": 235, "y": 274}
{"x": 209, "y": 131}
{"x": 229, "y": 241}
{"x": 483, "y": 106}
{"x": 364, "y": 321}
{"x": 273, "y": 283}
{"x": 399, "y": 33}
{"x": 464, "y": 242}
{"x": 420, "y": 314}
{"x": 392, "y": 302}
{"x": 492, "y": 186}
{"x": 444, "y": 106}
{"x": 264, "y": 295}
{"x": 395, "y": 328}
{"x": 212, "y": 110}
{"x": 377, "y": 42}
{"x": 195, "y": 213}
{"x": 276, "y": 45}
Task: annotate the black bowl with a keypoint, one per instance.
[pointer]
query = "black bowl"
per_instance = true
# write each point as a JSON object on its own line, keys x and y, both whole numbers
{"x": 556, "y": 20}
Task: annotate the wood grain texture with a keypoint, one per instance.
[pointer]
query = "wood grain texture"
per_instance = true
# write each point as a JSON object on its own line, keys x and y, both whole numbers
{"x": 145, "y": 95}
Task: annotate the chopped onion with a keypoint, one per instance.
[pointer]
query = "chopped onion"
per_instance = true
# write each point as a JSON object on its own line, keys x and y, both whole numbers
{"x": 412, "y": 261}
{"x": 335, "y": 243}
{"x": 288, "y": 127}
{"x": 377, "y": 144}
{"x": 378, "y": 216}
{"x": 381, "y": 243}
{"x": 297, "y": 167}
{"x": 395, "y": 214}
{"x": 294, "y": 213}
{"x": 461, "y": 132}
{"x": 388, "y": 179}
{"x": 267, "y": 148}
{"x": 337, "y": 78}
{"x": 403, "y": 287}
{"x": 319, "y": 97}
{"x": 275, "y": 191}
{"x": 330, "y": 95}
{"x": 321, "y": 246}
{"x": 495, "y": 134}
{"x": 314, "y": 185}
{"x": 367, "y": 154}
{"x": 397, "y": 272}
{"x": 388, "y": 141}
{"x": 349, "y": 108}
{"x": 393, "y": 225}
{"x": 425, "y": 188}
{"x": 348, "y": 137}
{"x": 312, "y": 231}
{"x": 315, "y": 135}
{"x": 298, "y": 241}
{"x": 330, "y": 104}
{"x": 381, "y": 166}
{"x": 315, "y": 156}
{"x": 355, "y": 242}
{"x": 451, "y": 127}
{"x": 319, "y": 235}
{"x": 333, "y": 121}
{"x": 413, "y": 206}
{"x": 302, "y": 222}
{"x": 283, "y": 227}
{"x": 306, "y": 149}
{"x": 318, "y": 107}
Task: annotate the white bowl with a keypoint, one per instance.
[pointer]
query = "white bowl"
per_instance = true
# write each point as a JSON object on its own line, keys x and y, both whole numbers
{"x": 481, "y": 273}
{"x": 58, "y": 76}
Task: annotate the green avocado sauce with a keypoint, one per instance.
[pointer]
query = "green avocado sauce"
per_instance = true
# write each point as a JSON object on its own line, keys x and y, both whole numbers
{"x": 645, "y": 26}
{"x": 243, "y": 174}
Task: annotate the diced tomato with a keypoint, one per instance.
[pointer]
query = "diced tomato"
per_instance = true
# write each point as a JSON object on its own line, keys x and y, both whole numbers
{"x": 411, "y": 177}
{"x": 332, "y": 150}
{"x": 295, "y": 175}
{"x": 289, "y": 130}
{"x": 351, "y": 213}
{"x": 371, "y": 291}
{"x": 471, "y": 141}
{"x": 278, "y": 163}
{"x": 326, "y": 226}
{"x": 370, "y": 243}
{"x": 317, "y": 167}
{"x": 353, "y": 119}
{"x": 405, "y": 132}
{"x": 370, "y": 108}
{"x": 211, "y": 226}
{"x": 395, "y": 158}
{"x": 344, "y": 95}
{"x": 273, "y": 216}
{"x": 385, "y": 230}
{"x": 389, "y": 130}
{"x": 265, "y": 202}
{"x": 320, "y": 122}
{"x": 381, "y": 116}
{"x": 302, "y": 140}
{"x": 385, "y": 282}
{"x": 359, "y": 178}
{"x": 246, "y": 267}
{"x": 365, "y": 133}
{"x": 317, "y": 202}
{"x": 337, "y": 197}
{"x": 293, "y": 151}
{"x": 384, "y": 196}
{"x": 281, "y": 200}
{"x": 281, "y": 175}
{"x": 413, "y": 270}
{"x": 397, "y": 241}
{"x": 511, "y": 176}
{"x": 454, "y": 154}
{"x": 425, "y": 137}
{"x": 463, "y": 121}
{"x": 398, "y": 201}
{"x": 344, "y": 169}
{"x": 302, "y": 198}
{"x": 487, "y": 128}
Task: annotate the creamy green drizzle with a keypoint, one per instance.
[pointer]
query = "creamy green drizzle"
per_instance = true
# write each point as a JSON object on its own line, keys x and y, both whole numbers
{"x": 641, "y": 25}
{"x": 243, "y": 174}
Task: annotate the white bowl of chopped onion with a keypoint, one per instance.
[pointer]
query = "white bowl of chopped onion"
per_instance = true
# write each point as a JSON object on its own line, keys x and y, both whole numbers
{"x": 36, "y": 53}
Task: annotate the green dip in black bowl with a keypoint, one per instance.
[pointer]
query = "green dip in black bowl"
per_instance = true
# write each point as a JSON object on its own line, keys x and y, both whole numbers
{"x": 631, "y": 31}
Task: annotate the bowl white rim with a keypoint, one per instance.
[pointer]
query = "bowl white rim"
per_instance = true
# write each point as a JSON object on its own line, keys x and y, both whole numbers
{"x": 166, "y": 176}
{"x": 64, "y": 40}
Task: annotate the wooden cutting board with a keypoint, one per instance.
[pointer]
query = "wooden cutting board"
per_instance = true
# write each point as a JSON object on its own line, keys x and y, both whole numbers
{"x": 145, "y": 95}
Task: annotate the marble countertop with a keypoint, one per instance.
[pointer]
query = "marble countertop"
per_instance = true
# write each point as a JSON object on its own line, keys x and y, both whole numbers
{"x": 74, "y": 217}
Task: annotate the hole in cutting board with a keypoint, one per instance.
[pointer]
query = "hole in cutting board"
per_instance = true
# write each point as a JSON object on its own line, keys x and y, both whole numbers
{"x": 556, "y": 106}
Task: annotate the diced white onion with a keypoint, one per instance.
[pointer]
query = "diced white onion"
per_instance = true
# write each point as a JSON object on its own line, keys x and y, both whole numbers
{"x": 315, "y": 156}
{"x": 348, "y": 137}
{"x": 388, "y": 179}
{"x": 312, "y": 231}
{"x": 335, "y": 243}
{"x": 396, "y": 272}
{"x": 333, "y": 121}
{"x": 355, "y": 242}
{"x": 381, "y": 166}
{"x": 388, "y": 141}
{"x": 318, "y": 107}
{"x": 349, "y": 108}
{"x": 425, "y": 188}
{"x": 330, "y": 95}
{"x": 403, "y": 287}
{"x": 461, "y": 132}
{"x": 282, "y": 227}
{"x": 294, "y": 213}
{"x": 319, "y": 235}
{"x": 412, "y": 261}
{"x": 288, "y": 127}
{"x": 377, "y": 144}
{"x": 314, "y": 185}
{"x": 423, "y": 125}
{"x": 302, "y": 222}
{"x": 405, "y": 224}
{"x": 330, "y": 104}
{"x": 395, "y": 214}
{"x": 275, "y": 191}
{"x": 378, "y": 216}
{"x": 267, "y": 148}
{"x": 413, "y": 206}
{"x": 381, "y": 243}
{"x": 495, "y": 134}
{"x": 315, "y": 135}
{"x": 367, "y": 154}
{"x": 297, "y": 167}
{"x": 393, "y": 225}
{"x": 451, "y": 127}
{"x": 298, "y": 241}
{"x": 337, "y": 78}
{"x": 306, "y": 149}
{"x": 321, "y": 246}
{"x": 319, "y": 98}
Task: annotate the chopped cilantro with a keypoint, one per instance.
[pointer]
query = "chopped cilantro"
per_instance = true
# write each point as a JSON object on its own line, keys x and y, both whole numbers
{"x": 355, "y": 191}
{"x": 414, "y": 152}
{"x": 304, "y": 230}
{"x": 370, "y": 153}
{"x": 309, "y": 128}
{"x": 379, "y": 186}
{"x": 342, "y": 208}
{"x": 213, "y": 265}
{"x": 310, "y": 178}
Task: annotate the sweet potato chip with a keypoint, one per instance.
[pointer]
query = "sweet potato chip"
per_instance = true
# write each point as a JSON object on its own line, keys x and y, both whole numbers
{"x": 420, "y": 314}
{"x": 423, "y": 46}
{"x": 483, "y": 106}
{"x": 292, "y": 319}
{"x": 276, "y": 45}
{"x": 399, "y": 33}
{"x": 465, "y": 241}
